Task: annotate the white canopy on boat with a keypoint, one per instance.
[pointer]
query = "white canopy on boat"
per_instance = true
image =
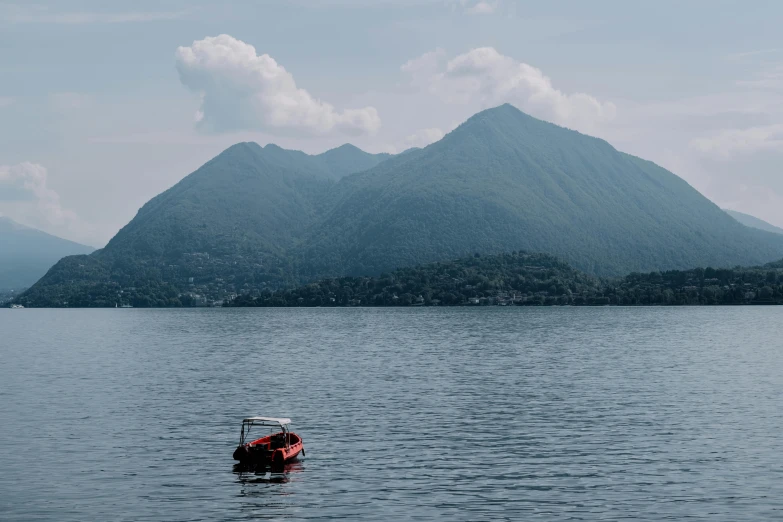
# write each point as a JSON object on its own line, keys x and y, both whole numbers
{"x": 273, "y": 420}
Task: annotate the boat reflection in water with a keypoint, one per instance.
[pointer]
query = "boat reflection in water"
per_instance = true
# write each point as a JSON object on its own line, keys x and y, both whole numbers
{"x": 267, "y": 492}
{"x": 250, "y": 474}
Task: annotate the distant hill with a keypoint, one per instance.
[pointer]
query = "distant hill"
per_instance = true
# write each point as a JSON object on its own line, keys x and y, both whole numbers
{"x": 26, "y": 253}
{"x": 753, "y": 222}
{"x": 524, "y": 279}
{"x": 256, "y": 218}
{"x": 509, "y": 279}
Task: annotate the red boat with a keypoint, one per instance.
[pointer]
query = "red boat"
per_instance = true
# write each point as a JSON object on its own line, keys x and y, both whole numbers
{"x": 275, "y": 449}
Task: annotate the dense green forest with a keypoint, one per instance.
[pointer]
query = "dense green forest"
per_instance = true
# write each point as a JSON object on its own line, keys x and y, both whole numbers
{"x": 524, "y": 279}
{"x": 260, "y": 219}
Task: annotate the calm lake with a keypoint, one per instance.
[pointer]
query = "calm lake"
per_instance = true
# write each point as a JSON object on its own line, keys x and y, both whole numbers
{"x": 451, "y": 413}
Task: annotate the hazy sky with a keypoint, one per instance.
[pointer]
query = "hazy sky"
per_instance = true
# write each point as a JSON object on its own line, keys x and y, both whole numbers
{"x": 105, "y": 104}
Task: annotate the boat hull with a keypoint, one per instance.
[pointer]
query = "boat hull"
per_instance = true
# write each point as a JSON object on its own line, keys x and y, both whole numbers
{"x": 270, "y": 450}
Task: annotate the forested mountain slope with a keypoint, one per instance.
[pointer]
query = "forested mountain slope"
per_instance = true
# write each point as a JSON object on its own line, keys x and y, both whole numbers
{"x": 504, "y": 180}
{"x": 228, "y": 226}
{"x": 257, "y": 218}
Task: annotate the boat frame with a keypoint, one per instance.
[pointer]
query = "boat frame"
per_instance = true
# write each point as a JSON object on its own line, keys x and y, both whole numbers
{"x": 276, "y": 448}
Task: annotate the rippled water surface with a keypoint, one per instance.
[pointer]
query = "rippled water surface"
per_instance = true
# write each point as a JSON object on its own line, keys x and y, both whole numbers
{"x": 454, "y": 414}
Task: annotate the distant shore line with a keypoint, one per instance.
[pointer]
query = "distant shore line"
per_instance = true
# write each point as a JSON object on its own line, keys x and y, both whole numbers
{"x": 512, "y": 279}
{"x": 464, "y": 305}
{"x": 523, "y": 279}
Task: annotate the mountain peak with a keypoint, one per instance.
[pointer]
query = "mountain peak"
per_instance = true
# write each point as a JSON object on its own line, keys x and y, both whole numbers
{"x": 349, "y": 159}
{"x": 501, "y": 111}
{"x": 346, "y": 147}
{"x": 506, "y": 114}
{"x": 243, "y": 146}
{"x": 507, "y": 130}
{"x": 506, "y": 107}
{"x": 500, "y": 130}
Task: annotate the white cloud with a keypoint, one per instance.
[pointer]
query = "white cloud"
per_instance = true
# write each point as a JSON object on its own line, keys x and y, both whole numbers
{"x": 241, "y": 90}
{"x": 424, "y": 66}
{"x": 46, "y": 209}
{"x": 487, "y": 78}
{"x": 732, "y": 142}
{"x": 6, "y": 101}
{"x": 423, "y": 137}
{"x": 482, "y": 7}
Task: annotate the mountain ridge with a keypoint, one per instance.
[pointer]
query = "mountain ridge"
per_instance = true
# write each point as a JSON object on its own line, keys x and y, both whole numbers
{"x": 753, "y": 222}
{"x": 26, "y": 253}
{"x": 263, "y": 217}
{"x": 548, "y": 156}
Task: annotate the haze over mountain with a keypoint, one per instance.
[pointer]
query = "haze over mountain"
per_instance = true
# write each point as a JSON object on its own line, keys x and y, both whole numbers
{"x": 263, "y": 217}
{"x": 754, "y": 222}
{"x": 26, "y": 253}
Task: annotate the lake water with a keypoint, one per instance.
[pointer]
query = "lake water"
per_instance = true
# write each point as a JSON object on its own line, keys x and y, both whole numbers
{"x": 451, "y": 413}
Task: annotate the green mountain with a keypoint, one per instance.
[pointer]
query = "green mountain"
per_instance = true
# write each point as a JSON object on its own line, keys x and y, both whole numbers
{"x": 248, "y": 201}
{"x": 228, "y": 226}
{"x": 26, "y": 253}
{"x": 248, "y": 205}
{"x": 753, "y": 222}
{"x": 256, "y": 218}
{"x": 506, "y": 181}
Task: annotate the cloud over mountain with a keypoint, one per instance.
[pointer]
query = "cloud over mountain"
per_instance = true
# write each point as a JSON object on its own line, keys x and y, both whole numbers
{"x": 241, "y": 90}
{"x": 43, "y": 207}
{"x": 486, "y": 77}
